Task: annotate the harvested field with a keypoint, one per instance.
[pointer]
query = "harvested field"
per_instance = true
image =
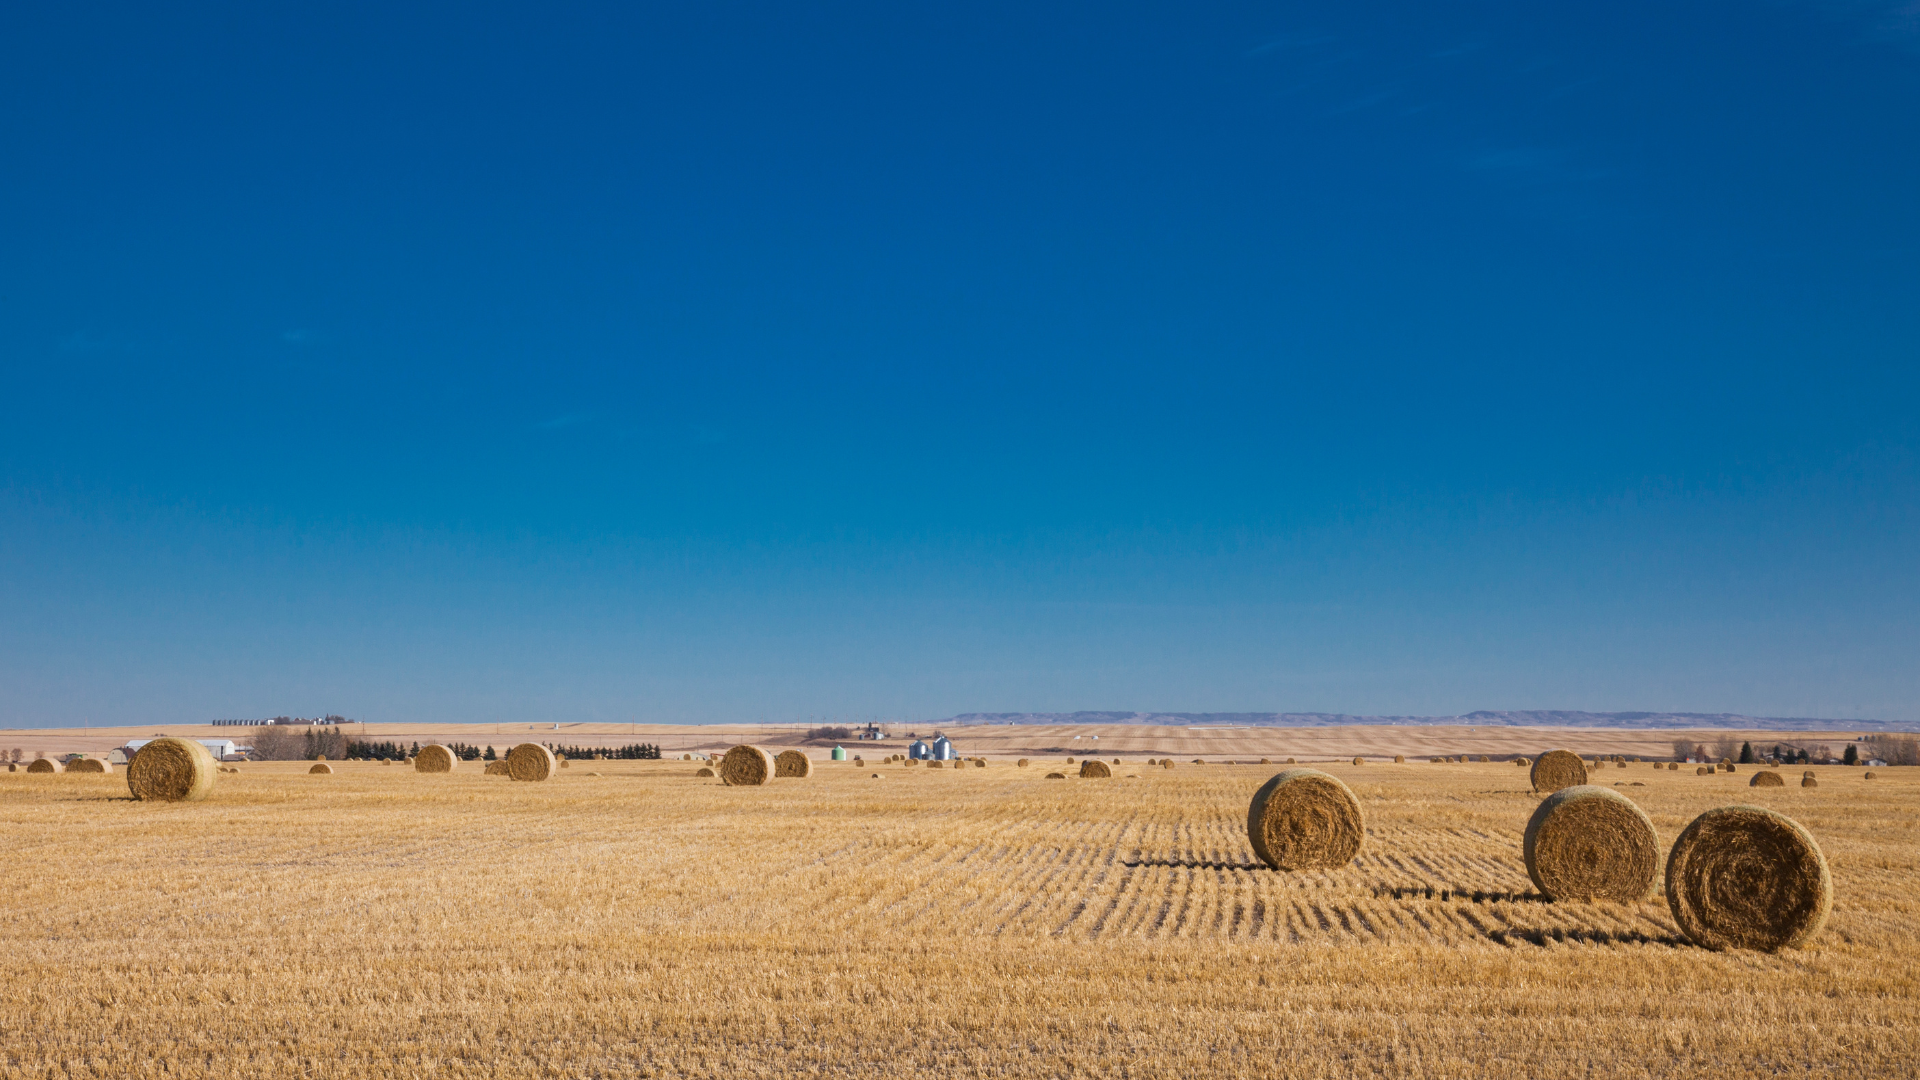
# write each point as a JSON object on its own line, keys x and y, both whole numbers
{"x": 365, "y": 927}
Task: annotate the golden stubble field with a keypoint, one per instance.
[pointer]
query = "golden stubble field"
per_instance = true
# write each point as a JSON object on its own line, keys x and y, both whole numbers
{"x": 972, "y": 922}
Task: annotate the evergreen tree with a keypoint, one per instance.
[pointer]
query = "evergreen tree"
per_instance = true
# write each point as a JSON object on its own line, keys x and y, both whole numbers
{"x": 488, "y": 756}
{"x": 1852, "y": 756}
{"x": 1746, "y": 753}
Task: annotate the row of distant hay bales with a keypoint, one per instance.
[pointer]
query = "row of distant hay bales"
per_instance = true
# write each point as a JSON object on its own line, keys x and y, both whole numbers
{"x": 1737, "y": 877}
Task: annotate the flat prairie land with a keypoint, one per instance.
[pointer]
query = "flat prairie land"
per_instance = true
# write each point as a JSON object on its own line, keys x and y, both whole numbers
{"x": 932, "y": 922}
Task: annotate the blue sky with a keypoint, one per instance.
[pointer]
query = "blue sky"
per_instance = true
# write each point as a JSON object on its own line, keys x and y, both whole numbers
{"x": 715, "y": 362}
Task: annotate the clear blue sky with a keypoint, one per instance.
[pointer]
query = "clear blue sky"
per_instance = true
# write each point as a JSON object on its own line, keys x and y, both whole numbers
{"x": 702, "y": 362}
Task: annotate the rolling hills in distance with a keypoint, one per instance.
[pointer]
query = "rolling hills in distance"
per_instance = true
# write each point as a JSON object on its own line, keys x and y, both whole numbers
{"x": 1486, "y": 718}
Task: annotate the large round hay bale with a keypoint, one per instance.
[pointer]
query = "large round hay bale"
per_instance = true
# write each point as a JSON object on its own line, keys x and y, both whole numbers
{"x": 1521, "y": 761}
{"x": 1069, "y": 761}
{"x": 89, "y": 765}
{"x": 936, "y": 763}
{"x": 1398, "y": 759}
{"x": 707, "y": 770}
{"x": 434, "y": 758}
{"x": 530, "y": 761}
{"x": 1093, "y": 768}
{"x": 1673, "y": 766}
{"x": 1745, "y": 877}
{"x": 1265, "y": 761}
{"x": 1557, "y": 769}
{"x": 747, "y": 766}
{"x": 1766, "y": 779}
{"x": 1868, "y": 775}
{"x": 321, "y": 768}
{"x": 1304, "y": 819}
{"x": 1166, "y": 763}
{"x": 561, "y": 760}
{"x": 1591, "y": 843}
{"x": 1808, "y": 781}
{"x": 45, "y": 765}
{"x": 794, "y": 763}
{"x": 1056, "y": 776}
{"x": 497, "y": 768}
{"x": 172, "y": 770}
{"x": 979, "y": 763}
{"x": 1290, "y": 761}
{"x": 1359, "y": 761}
{"x": 1700, "y": 770}
{"x": 1022, "y": 763}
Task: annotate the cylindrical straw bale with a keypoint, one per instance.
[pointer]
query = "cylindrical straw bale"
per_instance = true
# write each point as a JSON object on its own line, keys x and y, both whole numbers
{"x": 1673, "y": 766}
{"x": 704, "y": 770}
{"x": 747, "y": 766}
{"x": 1591, "y": 843}
{"x": 1745, "y": 877}
{"x": 1808, "y": 781}
{"x": 1557, "y": 769}
{"x": 434, "y": 758}
{"x": 1398, "y": 759}
{"x": 1094, "y": 768}
{"x": 1166, "y": 763}
{"x": 321, "y": 768}
{"x": 1056, "y": 776}
{"x": 1069, "y": 761}
{"x": 1521, "y": 761}
{"x": 1868, "y": 775}
{"x": 497, "y": 768}
{"x": 794, "y": 763}
{"x": 1359, "y": 761}
{"x": 1304, "y": 819}
{"x": 172, "y": 770}
{"x": 89, "y": 765}
{"x": 561, "y": 760}
{"x": 1700, "y": 770}
{"x": 979, "y": 763}
{"x": 530, "y": 761}
{"x": 44, "y": 765}
{"x": 1290, "y": 761}
{"x": 1022, "y": 763}
{"x": 1766, "y": 779}
{"x": 936, "y": 763}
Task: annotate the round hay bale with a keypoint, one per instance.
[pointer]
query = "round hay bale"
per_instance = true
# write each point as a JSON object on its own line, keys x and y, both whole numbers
{"x": 1359, "y": 761}
{"x": 1022, "y": 763}
{"x": 1398, "y": 759}
{"x": 1591, "y": 843}
{"x": 1166, "y": 763}
{"x": 1264, "y": 761}
{"x": 320, "y": 768}
{"x": 877, "y": 776}
{"x": 707, "y": 770}
{"x": 1290, "y": 761}
{"x": 1868, "y": 775}
{"x": 1095, "y": 769}
{"x": 561, "y": 760}
{"x": 172, "y": 770}
{"x": 1673, "y": 766}
{"x": 979, "y": 763}
{"x": 1766, "y": 779}
{"x": 1069, "y": 761}
{"x": 434, "y": 758}
{"x": 909, "y": 763}
{"x": 1521, "y": 761}
{"x": 1116, "y": 761}
{"x": 497, "y": 768}
{"x": 747, "y": 766}
{"x": 936, "y": 763}
{"x": 1618, "y": 764}
{"x": 1745, "y": 877}
{"x": 1056, "y": 776}
{"x": 1808, "y": 781}
{"x": 48, "y": 765}
{"x": 89, "y": 765}
{"x": 686, "y": 757}
{"x": 530, "y": 761}
{"x": 794, "y": 763}
{"x": 1304, "y": 819}
{"x": 1557, "y": 769}
{"x": 319, "y": 757}
{"x": 1700, "y": 770}
{"x": 386, "y": 761}
{"x": 1728, "y": 767}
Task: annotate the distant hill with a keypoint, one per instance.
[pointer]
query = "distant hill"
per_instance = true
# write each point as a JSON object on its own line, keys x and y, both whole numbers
{"x": 1514, "y": 718}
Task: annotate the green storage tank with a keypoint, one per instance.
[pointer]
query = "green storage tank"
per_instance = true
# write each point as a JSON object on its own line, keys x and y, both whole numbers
{"x": 839, "y": 753}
